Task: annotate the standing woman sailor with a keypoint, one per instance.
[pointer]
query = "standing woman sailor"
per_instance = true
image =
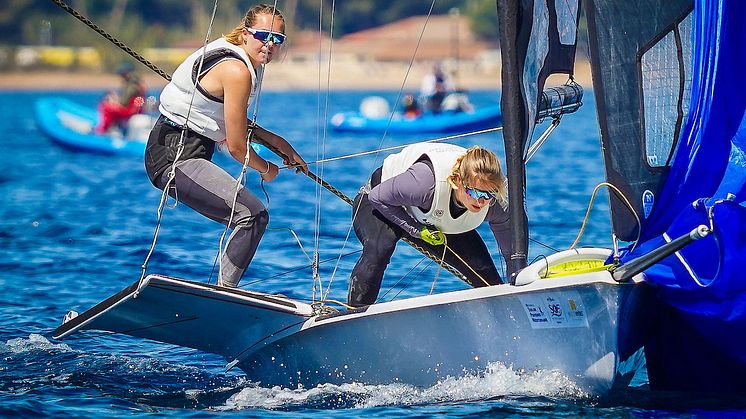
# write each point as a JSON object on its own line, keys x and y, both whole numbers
{"x": 437, "y": 194}
{"x": 226, "y": 74}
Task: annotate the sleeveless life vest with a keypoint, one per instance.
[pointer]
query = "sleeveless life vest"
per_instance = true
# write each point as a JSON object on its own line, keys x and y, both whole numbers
{"x": 443, "y": 157}
{"x": 207, "y": 116}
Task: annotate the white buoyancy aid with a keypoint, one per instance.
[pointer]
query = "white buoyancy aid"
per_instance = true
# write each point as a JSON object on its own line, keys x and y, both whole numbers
{"x": 443, "y": 157}
{"x": 206, "y": 116}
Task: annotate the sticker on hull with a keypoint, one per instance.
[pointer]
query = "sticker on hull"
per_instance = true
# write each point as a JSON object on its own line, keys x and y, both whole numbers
{"x": 555, "y": 310}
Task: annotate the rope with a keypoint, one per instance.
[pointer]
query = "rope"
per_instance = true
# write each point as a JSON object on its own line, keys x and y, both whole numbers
{"x": 442, "y": 259}
{"x": 590, "y": 205}
{"x": 399, "y": 147}
{"x": 377, "y": 152}
{"x": 113, "y": 40}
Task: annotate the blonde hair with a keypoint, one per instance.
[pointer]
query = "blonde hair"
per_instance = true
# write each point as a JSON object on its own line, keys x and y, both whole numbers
{"x": 475, "y": 165}
{"x": 234, "y": 36}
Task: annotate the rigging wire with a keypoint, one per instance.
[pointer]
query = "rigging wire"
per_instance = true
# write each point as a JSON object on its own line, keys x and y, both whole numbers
{"x": 321, "y": 119}
{"x": 403, "y": 277}
{"x": 398, "y": 147}
{"x": 380, "y": 145}
{"x": 411, "y": 280}
{"x": 180, "y": 150}
{"x": 241, "y": 178}
{"x": 289, "y": 271}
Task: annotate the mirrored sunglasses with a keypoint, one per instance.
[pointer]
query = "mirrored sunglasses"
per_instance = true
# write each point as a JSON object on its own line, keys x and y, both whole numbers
{"x": 267, "y": 36}
{"x": 476, "y": 193}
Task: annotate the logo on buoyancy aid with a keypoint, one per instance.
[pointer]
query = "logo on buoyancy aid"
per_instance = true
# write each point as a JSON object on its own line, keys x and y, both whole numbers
{"x": 438, "y": 213}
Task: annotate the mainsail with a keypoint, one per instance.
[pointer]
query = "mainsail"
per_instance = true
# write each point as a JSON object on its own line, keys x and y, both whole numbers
{"x": 640, "y": 65}
{"x": 537, "y": 39}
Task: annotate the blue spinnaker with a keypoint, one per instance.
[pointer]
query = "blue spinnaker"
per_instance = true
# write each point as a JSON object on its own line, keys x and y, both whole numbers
{"x": 706, "y": 281}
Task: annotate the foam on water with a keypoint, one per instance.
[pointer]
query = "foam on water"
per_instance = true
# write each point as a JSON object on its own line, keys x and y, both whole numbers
{"x": 498, "y": 380}
{"x": 35, "y": 342}
{"x": 162, "y": 383}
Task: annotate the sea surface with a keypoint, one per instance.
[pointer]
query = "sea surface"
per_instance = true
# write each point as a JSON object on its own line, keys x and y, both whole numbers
{"x": 76, "y": 227}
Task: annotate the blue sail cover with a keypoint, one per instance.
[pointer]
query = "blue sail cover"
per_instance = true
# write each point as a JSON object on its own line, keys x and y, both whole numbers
{"x": 701, "y": 290}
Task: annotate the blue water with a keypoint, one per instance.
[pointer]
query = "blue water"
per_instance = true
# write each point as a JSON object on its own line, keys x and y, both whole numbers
{"x": 76, "y": 227}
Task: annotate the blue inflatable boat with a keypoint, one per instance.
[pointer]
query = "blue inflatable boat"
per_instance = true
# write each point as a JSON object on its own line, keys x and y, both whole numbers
{"x": 443, "y": 122}
{"x": 71, "y": 125}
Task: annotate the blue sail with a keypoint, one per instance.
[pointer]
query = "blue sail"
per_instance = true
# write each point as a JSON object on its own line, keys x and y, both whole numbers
{"x": 697, "y": 335}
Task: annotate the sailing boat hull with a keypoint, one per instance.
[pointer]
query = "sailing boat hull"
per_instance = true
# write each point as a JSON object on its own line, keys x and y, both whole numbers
{"x": 583, "y": 326}
{"x": 572, "y": 328}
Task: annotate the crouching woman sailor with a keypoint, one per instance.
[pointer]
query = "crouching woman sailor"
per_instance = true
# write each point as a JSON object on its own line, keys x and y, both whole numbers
{"x": 437, "y": 194}
{"x": 216, "y": 112}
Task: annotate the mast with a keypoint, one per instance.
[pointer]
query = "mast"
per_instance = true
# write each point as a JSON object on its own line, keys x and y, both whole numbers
{"x": 537, "y": 38}
{"x": 513, "y": 108}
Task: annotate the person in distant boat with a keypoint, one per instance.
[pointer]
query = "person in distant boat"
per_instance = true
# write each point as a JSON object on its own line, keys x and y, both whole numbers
{"x": 437, "y": 194}
{"x": 202, "y": 108}
{"x": 410, "y": 107}
{"x": 434, "y": 88}
{"x": 115, "y": 109}
{"x": 457, "y": 101}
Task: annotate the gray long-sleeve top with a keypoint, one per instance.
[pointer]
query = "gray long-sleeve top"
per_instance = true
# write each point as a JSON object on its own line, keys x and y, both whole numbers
{"x": 416, "y": 187}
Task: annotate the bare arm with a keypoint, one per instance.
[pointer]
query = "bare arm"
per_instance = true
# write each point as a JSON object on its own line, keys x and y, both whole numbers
{"x": 232, "y": 80}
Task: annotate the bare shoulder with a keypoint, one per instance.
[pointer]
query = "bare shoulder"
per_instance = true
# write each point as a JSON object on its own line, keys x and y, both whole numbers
{"x": 228, "y": 73}
{"x": 232, "y": 67}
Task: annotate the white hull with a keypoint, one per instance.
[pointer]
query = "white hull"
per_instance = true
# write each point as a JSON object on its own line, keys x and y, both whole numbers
{"x": 578, "y": 325}
{"x": 423, "y": 340}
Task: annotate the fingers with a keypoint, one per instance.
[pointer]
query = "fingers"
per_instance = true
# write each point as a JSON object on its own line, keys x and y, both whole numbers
{"x": 294, "y": 161}
{"x": 302, "y": 166}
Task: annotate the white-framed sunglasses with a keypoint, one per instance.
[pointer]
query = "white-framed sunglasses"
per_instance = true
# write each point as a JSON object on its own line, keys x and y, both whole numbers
{"x": 266, "y": 36}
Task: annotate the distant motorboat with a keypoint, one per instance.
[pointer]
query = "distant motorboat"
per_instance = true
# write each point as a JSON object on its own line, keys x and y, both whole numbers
{"x": 71, "y": 125}
{"x": 374, "y": 116}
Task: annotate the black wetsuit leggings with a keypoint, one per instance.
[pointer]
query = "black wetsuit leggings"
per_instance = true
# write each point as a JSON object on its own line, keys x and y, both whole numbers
{"x": 208, "y": 189}
{"x": 379, "y": 237}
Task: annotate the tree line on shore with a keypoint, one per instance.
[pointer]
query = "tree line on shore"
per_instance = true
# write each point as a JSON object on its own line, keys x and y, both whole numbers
{"x": 164, "y": 23}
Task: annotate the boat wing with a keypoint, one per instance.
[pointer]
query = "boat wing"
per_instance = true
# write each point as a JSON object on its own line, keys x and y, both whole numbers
{"x": 196, "y": 315}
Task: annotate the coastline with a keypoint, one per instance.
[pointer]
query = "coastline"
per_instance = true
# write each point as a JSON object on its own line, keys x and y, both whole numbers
{"x": 281, "y": 77}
